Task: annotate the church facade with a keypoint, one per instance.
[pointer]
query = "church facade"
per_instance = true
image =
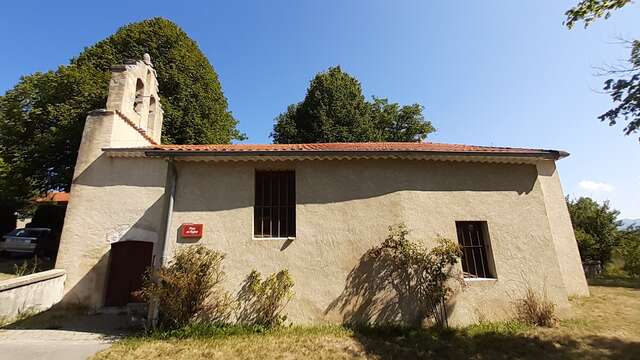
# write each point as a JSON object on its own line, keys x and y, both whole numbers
{"x": 314, "y": 209}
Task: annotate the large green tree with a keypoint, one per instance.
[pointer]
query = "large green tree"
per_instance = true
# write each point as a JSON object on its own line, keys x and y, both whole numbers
{"x": 624, "y": 84}
{"x": 629, "y": 250}
{"x": 595, "y": 227}
{"x": 335, "y": 110}
{"x": 42, "y": 117}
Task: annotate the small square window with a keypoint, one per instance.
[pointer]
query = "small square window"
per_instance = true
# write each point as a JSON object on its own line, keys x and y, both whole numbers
{"x": 477, "y": 260}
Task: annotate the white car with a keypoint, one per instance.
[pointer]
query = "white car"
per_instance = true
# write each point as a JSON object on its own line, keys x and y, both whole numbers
{"x": 24, "y": 240}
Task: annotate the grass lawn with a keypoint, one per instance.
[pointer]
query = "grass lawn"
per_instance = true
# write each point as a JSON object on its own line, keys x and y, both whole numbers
{"x": 605, "y": 325}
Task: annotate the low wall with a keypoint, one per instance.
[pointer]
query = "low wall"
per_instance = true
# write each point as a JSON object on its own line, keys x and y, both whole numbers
{"x": 31, "y": 293}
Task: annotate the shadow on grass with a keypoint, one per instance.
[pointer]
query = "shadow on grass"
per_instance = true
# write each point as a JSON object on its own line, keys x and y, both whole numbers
{"x": 507, "y": 340}
{"x": 70, "y": 318}
{"x": 610, "y": 281}
{"x": 487, "y": 344}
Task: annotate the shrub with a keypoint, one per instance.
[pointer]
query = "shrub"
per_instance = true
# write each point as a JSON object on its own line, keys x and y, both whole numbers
{"x": 537, "y": 310}
{"x": 261, "y": 302}
{"x": 425, "y": 274}
{"x": 629, "y": 250}
{"x": 189, "y": 290}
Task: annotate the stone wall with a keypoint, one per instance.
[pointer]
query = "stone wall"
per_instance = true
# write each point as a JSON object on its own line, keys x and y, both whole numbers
{"x": 31, "y": 293}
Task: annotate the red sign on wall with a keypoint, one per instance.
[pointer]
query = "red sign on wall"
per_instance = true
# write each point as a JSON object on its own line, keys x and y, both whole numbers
{"x": 191, "y": 230}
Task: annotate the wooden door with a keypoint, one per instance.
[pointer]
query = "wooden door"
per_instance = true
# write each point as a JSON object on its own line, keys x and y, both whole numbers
{"x": 129, "y": 261}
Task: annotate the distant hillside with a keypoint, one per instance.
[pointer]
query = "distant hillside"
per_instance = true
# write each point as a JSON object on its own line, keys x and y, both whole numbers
{"x": 628, "y": 222}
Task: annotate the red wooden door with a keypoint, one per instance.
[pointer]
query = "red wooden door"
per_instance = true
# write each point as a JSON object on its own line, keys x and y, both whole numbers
{"x": 129, "y": 261}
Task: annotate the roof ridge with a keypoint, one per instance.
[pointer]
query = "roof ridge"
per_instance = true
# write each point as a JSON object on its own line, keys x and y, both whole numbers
{"x": 351, "y": 144}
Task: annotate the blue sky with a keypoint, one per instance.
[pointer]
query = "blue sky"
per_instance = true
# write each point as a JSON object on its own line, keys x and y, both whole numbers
{"x": 488, "y": 72}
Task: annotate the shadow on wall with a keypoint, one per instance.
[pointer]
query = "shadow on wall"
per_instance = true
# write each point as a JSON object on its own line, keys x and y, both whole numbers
{"x": 224, "y": 186}
{"x": 107, "y": 171}
{"x": 90, "y": 290}
{"x": 376, "y": 294}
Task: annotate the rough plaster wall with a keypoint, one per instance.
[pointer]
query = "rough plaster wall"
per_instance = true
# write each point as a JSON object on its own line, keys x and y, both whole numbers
{"x": 112, "y": 199}
{"x": 35, "y": 295}
{"x": 344, "y": 209}
{"x": 564, "y": 238}
{"x": 122, "y": 136}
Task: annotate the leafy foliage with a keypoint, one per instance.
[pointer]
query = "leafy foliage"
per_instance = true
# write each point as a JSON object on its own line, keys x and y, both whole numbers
{"x": 400, "y": 283}
{"x": 399, "y": 123}
{"x": 595, "y": 227}
{"x": 424, "y": 273}
{"x": 590, "y": 10}
{"x": 41, "y": 123}
{"x": 189, "y": 290}
{"x": 195, "y": 108}
{"x": 261, "y": 302}
{"x": 334, "y": 110}
{"x": 42, "y": 117}
{"x": 624, "y": 91}
{"x": 629, "y": 250}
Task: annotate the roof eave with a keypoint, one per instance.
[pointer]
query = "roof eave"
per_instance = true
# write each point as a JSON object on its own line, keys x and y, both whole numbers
{"x": 555, "y": 155}
{"x": 159, "y": 153}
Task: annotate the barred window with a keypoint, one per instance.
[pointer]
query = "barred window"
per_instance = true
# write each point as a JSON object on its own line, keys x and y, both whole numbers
{"x": 274, "y": 213}
{"x": 476, "y": 254}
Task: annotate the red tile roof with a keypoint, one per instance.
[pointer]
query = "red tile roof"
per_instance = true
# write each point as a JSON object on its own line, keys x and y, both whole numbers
{"x": 59, "y": 197}
{"x": 421, "y": 147}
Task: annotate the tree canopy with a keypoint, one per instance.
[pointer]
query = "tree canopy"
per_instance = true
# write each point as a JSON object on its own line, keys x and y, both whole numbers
{"x": 624, "y": 86}
{"x": 335, "y": 110}
{"x": 42, "y": 117}
{"x": 629, "y": 250}
{"x": 595, "y": 227}
{"x": 589, "y": 11}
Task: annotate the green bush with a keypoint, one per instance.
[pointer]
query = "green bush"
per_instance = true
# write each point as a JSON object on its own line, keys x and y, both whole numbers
{"x": 261, "y": 302}
{"x": 629, "y": 250}
{"x": 189, "y": 290}
{"x": 424, "y": 273}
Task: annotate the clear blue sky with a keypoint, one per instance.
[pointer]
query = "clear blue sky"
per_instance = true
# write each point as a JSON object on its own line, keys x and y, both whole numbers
{"x": 488, "y": 72}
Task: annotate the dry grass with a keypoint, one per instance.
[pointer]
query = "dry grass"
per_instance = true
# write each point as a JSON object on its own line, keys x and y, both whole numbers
{"x": 537, "y": 310}
{"x": 9, "y": 265}
{"x": 606, "y": 325}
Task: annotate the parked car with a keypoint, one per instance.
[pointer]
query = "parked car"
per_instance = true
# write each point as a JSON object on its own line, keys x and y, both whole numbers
{"x": 29, "y": 241}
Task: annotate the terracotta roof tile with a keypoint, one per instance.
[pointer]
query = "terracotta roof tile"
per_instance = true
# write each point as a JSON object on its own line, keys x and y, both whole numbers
{"x": 60, "y": 197}
{"x": 352, "y": 147}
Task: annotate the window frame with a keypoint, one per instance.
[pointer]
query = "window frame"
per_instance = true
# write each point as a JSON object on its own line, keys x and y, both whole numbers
{"x": 489, "y": 271}
{"x": 254, "y": 218}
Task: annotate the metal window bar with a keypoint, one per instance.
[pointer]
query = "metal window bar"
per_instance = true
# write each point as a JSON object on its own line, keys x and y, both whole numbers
{"x": 274, "y": 208}
{"x": 474, "y": 260}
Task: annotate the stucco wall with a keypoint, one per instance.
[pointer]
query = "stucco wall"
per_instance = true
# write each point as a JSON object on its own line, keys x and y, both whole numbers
{"x": 30, "y": 293}
{"x": 345, "y": 207}
{"x": 111, "y": 200}
{"x": 560, "y": 223}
